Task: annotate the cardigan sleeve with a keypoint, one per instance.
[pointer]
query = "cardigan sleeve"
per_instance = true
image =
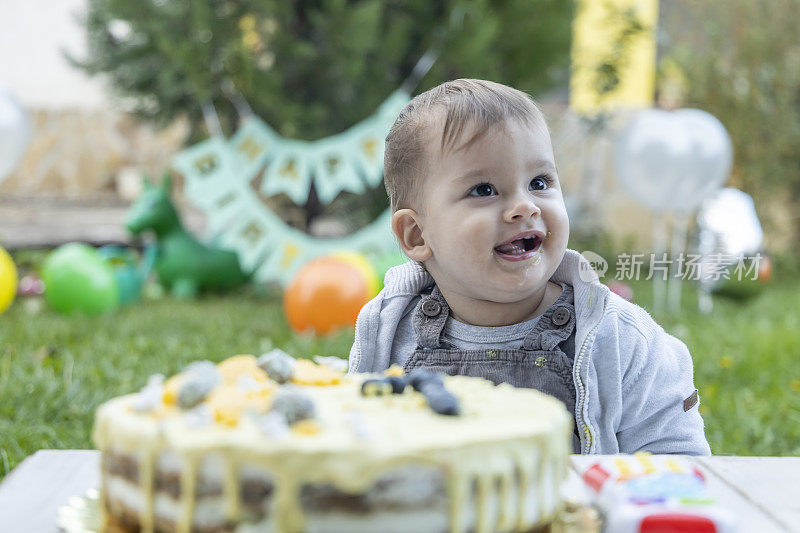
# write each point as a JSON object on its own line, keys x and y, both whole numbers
{"x": 659, "y": 400}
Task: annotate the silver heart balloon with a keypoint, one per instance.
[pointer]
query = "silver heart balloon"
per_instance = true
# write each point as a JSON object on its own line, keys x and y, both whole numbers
{"x": 728, "y": 219}
{"x": 672, "y": 161}
{"x": 15, "y": 132}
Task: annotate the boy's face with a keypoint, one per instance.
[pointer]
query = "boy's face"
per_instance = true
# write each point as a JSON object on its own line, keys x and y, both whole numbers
{"x": 493, "y": 219}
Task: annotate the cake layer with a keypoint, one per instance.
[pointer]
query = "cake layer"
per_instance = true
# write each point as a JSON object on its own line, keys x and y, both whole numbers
{"x": 407, "y": 499}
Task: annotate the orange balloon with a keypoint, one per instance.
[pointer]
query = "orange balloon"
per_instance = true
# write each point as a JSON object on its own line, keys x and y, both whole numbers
{"x": 327, "y": 293}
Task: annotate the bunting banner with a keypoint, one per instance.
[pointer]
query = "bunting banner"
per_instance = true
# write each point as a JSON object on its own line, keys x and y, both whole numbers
{"x": 220, "y": 176}
{"x": 348, "y": 161}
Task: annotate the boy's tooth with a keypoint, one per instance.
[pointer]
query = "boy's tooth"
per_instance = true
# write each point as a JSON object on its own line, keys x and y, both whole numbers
{"x": 517, "y": 247}
{"x": 513, "y": 248}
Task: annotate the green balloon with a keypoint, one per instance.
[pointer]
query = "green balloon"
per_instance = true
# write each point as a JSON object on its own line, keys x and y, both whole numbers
{"x": 78, "y": 279}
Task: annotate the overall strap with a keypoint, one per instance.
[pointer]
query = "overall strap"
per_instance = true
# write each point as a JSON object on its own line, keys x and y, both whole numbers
{"x": 555, "y": 325}
{"x": 430, "y": 317}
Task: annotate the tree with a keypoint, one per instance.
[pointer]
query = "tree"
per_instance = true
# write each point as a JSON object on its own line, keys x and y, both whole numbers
{"x": 312, "y": 68}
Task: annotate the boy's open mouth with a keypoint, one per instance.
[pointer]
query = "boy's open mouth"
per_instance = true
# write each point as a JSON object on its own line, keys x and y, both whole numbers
{"x": 522, "y": 246}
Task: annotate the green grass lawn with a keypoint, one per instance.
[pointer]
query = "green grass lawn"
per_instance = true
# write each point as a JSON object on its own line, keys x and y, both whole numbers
{"x": 55, "y": 370}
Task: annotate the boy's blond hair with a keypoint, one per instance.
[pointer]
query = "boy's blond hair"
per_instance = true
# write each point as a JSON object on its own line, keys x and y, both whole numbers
{"x": 465, "y": 101}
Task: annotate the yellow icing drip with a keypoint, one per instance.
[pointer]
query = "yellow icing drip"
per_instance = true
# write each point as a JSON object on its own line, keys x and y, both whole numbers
{"x": 504, "y": 513}
{"x": 188, "y": 490}
{"x": 542, "y": 467}
{"x": 525, "y": 465}
{"x": 456, "y": 491}
{"x": 146, "y": 474}
{"x": 502, "y": 434}
{"x": 231, "y": 489}
{"x": 482, "y": 518}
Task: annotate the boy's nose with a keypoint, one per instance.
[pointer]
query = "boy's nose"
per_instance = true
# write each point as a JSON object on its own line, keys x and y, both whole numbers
{"x": 521, "y": 209}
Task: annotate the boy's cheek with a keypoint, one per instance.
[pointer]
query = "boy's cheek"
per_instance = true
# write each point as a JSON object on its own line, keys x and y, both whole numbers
{"x": 562, "y": 238}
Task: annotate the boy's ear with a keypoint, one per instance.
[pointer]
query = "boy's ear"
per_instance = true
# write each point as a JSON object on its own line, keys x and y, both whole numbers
{"x": 406, "y": 227}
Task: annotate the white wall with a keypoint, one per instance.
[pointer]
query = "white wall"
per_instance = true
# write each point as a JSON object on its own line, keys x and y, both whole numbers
{"x": 32, "y": 36}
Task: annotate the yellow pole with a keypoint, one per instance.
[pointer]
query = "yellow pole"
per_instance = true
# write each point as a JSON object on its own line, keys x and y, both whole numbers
{"x": 608, "y": 33}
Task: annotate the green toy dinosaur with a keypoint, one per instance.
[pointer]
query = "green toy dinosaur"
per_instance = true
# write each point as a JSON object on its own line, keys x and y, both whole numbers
{"x": 184, "y": 265}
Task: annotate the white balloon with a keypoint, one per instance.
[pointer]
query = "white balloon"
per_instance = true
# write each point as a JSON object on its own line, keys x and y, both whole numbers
{"x": 15, "y": 133}
{"x": 729, "y": 216}
{"x": 672, "y": 161}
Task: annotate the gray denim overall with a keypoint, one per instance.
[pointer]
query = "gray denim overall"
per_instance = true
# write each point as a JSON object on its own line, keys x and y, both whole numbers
{"x": 543, "y": 362}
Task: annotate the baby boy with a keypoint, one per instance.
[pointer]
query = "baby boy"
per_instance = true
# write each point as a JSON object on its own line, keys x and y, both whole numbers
{"x": 492, "y": 290}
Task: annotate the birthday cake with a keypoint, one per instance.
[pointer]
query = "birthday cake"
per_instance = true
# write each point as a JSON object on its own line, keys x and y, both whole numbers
{"x": 273, "y": 444}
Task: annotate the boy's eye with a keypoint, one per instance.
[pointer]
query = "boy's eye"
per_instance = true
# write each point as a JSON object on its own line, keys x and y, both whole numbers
{"x": 539, "y": 183}
{"x": 482, "y": 189}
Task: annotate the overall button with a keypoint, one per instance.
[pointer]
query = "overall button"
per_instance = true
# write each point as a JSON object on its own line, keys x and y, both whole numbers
{"x": 561, "y": 316}
{"x": 431, "y": 308}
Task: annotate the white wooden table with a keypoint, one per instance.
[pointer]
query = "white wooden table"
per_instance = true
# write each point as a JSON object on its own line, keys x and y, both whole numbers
{"x": 763, "y": 492}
